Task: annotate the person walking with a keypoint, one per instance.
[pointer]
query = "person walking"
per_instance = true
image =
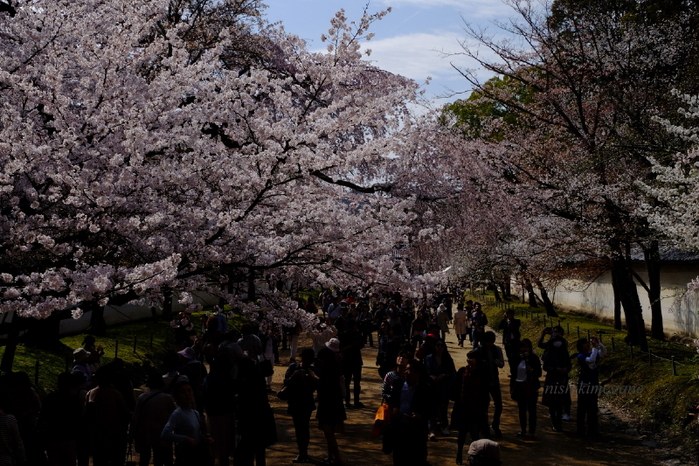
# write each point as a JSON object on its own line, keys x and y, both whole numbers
{"x": 153, "y": 410}
{"x": 524, "y": 387}
{"x": 412, "y": 405}
{"x": 300, "y": 381}
{"x": 470, "y": 397}
{"x": 331, "y": 412}
{"x": 460, "y": 324}
{"x": 490, "y": 361}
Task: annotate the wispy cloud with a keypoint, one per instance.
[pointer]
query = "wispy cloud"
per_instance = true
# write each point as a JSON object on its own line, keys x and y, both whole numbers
{"x": 472, "y": 8}
{"x": 418, "y": 56}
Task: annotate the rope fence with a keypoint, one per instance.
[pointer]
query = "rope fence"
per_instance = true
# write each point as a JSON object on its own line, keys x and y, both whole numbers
{"x": 611, "y": 344}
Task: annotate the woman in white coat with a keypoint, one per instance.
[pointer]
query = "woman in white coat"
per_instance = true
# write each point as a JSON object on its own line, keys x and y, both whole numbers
{"x": 460, "y": 324}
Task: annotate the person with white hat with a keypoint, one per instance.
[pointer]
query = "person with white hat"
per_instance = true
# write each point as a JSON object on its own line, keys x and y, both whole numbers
{"x": 484, "y": 452}
{"x": 81, "y": 363}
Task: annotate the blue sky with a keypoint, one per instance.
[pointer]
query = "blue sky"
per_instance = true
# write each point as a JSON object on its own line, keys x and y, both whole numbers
{"x": 408, "y": 40}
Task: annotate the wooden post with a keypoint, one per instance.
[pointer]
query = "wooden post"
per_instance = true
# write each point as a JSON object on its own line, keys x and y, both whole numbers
{"x": 116, "y": 349}
{"x": 612, "y": 343}
{"x": 674, "y": 366}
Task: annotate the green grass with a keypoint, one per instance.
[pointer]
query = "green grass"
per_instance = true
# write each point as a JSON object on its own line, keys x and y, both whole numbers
{"x": 151, "y": 340}
{"x": 140, "y": 344}
{"x": 664, "y": 398}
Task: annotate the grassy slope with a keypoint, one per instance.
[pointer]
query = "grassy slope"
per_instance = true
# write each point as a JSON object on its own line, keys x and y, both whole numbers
{"x": 664, "y": 398}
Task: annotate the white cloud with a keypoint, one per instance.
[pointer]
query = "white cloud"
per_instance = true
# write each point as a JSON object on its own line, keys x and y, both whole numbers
{"x": 471, "y": 8}
{"x": 420, "y": 55}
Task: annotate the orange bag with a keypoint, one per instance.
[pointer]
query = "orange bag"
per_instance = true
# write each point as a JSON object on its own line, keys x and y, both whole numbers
{"x": 381, "y": 420}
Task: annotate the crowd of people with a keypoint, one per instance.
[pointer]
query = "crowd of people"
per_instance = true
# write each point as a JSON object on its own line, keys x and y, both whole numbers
{"x": 210, "y": 403}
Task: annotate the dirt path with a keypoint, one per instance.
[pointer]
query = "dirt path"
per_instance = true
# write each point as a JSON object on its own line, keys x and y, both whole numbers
{"x": 615, "y": 447}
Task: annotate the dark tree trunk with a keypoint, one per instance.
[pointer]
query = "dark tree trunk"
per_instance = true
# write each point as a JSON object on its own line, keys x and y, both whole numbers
{"x": 505, "y": 290}
{"x": 167, "y": 304}
{"x": 498, "y": 299}
{"x": 617, "y": 310}
{"x": 628, "y": 295}
{"x": 548, "y": 305}
{"x": 652, "y": 258}
{"x": 251, "y": 285}
{"x": 8, "y": 356}
{"x": 98, "y": 326}
{"x": 530, "y": 292}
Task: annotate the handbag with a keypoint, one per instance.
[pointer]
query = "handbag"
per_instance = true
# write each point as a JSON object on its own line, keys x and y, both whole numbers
{"x": 381, "y": 420}
{"x": 283, "y": 394}
{"x": 266, "y": 367}
{"x": 130, "y": 461}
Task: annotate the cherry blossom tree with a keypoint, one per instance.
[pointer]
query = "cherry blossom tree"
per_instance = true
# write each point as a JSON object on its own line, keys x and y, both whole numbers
{"x": 143, "y": 156}
{"x": 593, "y": 81}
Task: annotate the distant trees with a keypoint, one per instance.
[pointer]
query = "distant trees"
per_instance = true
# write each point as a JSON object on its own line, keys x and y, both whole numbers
{"x": 574, "y": 110}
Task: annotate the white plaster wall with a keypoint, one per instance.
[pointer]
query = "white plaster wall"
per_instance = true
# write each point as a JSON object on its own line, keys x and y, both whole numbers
{"x": 115, "y": 315}
{"x": 680, "y": 310}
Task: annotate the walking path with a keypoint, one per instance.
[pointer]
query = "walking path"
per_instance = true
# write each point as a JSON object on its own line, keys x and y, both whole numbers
{"x": 546, "y": 449}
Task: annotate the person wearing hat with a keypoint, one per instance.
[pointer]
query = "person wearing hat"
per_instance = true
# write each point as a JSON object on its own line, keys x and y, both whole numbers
{"x": 321, "y": 334}
{"x": 153, "y": 409}
{"x": 195, "y": 372}
{"x": 334, "y": 345}
{"x": 484, "y": 452}
{"x": 81, "y": 364}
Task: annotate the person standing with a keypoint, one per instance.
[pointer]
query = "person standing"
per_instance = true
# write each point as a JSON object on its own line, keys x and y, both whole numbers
{"x": 11, "y": 446}
{"x": 589, "y": 355}
{"x": 255, "y": 417}
{"x": 460, "y": 324}
{"x": 351, "y": 344}
{"x": 61, "y": 416}
{"x": 478, "y": 322}
{"x": 441, "y": 369}
{"x": 470, "y": 398}
{"x": 153, "y": 409}
{"x": 330, "y": 413}
{"x": 107, "y": 417}
{"x": 524, "y": 387}
{"x": 442, "y": 320}
{"x": 490, "y": 361}
{"x": 511, "y": 337}
{"x": 220, "y": 389}
{"x": 557, "y": 365}
{"x": 412, "y": 405}
{"x": 300, "y": 380}
{"x": 321, "y": 334}
{"x": 186, "y": 428}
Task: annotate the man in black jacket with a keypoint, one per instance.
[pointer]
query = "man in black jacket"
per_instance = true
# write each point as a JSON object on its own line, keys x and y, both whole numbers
{"x": 412, "y": 404}
{"x": 511, "y": 337}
